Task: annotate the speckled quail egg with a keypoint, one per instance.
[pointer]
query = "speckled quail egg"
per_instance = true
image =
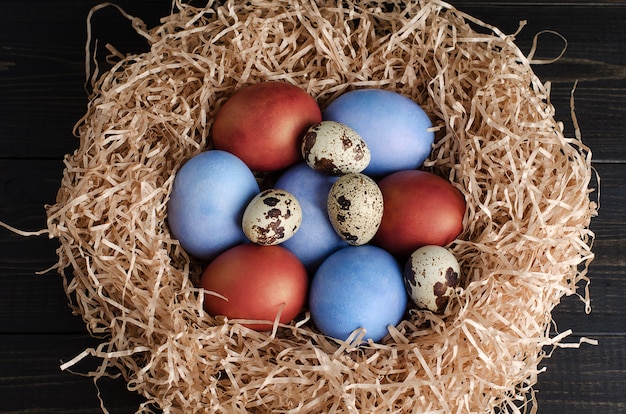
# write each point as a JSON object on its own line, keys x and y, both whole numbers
{"x": 334, "y": 148}
{"x": 355, "y": 208}
{"x": 431, "y": 276}
{"x": 271, "y": 217}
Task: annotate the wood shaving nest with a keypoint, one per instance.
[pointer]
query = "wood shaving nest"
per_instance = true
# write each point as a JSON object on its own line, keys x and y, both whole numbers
{"x": 526, "y": 241}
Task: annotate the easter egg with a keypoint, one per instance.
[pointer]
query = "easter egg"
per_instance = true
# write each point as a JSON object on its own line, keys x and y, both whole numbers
{"x": 333, "y": 148}
{"x": 431, "y": 276}
{"x": 315, "y": 239}
{"x": 394, "y": 127}
{"x": 420, "y": 209}
{"x": 355, "y": 208}
{"x": 207, "y": 200}
{"x": 255, "y": 283}
{"x": 271, "y": 217}
{"x": 358, "y": 287}
{"x": 263, "y": 124}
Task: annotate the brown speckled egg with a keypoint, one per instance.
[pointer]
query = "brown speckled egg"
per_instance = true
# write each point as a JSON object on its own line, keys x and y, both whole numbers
{"x": 271, "y": 217}
{"x": 334, "y": 148}
{"x": 355, "y": 208}
{"x": 431, "y": 277}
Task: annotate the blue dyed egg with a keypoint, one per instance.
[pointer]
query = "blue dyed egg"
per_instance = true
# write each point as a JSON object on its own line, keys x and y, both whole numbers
{"x": 358, "y": 287}
{"x": 394, "y": 127}
{"x": 315, "y": 239}
{"x": 208, "y": 197}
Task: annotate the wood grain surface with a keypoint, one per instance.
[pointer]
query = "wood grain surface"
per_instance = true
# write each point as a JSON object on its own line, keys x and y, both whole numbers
{"x": 42, "y": 96}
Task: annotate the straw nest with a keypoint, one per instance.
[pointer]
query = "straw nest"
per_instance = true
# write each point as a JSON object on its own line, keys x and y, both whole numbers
{"x": 525, "y": 243}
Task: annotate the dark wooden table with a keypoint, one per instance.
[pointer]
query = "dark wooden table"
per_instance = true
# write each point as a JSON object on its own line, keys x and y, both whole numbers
{"x": 42, "y": 96}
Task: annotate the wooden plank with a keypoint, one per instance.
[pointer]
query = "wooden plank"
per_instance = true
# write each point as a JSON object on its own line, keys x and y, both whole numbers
{"x": 31, "y": 380}
{"x": 592, "y": 30}
{"x": 42, "y": 67}
{"x": 606, "y": 273}
{"x": 25, "y": 187}
{"x": 30, "y": 302}
{"x": 609, "y": 225}
{"x": 35, "y": 304}
{"x": 564, "y": 4}
{"x": 607, "y": 304}
{"x": 590, "y": 379}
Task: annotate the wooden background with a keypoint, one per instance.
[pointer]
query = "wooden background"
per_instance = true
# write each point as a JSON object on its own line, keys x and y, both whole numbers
{"x": 42, "y": 96}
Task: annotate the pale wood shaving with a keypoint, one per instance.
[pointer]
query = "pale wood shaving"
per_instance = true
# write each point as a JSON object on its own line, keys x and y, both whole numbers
{"x": 525, "y": 245}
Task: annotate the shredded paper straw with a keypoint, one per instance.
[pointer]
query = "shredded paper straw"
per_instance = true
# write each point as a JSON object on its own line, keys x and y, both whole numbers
{"x": 526, "y": 241}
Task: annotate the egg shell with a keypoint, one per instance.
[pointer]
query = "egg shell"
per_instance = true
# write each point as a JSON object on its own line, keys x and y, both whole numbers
{"x": 355, "y": 208}
{"x": 421, "y": 208}
{"x": 334, "y": 148}
{"x": 255, "y": 283}
{"x": 431, "y": 277}
{"x": 357, "y": 287}
{"x": 263, "y": 124}
{"x": 208, "y": 197}
{"x": 316, "y": 239}
{"x": 395, "y": 128}
{"x": 271, "y": 217}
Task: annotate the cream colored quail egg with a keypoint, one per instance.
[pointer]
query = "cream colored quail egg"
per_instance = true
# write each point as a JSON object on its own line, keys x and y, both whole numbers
{"x": 271, "y": 217}
{"x": 355, "y": 208}
{"x": 431, "y": 277}
{"x": 335, "y": 149}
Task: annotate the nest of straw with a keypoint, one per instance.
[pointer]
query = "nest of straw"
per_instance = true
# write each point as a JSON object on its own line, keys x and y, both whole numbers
{"x": 526, "y": 241}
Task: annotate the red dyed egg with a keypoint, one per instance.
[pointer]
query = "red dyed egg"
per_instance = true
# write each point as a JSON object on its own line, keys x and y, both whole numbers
{"x": 420, "y": 208}
{"x": 263, "y": 124}
{"x": 256, "y": 282}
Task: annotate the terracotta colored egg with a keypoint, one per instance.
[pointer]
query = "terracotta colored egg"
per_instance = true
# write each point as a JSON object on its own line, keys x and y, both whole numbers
{"x": 255, "y": 283}
{"x": 263, "y": 124}
{"x": 420, "y": 208}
